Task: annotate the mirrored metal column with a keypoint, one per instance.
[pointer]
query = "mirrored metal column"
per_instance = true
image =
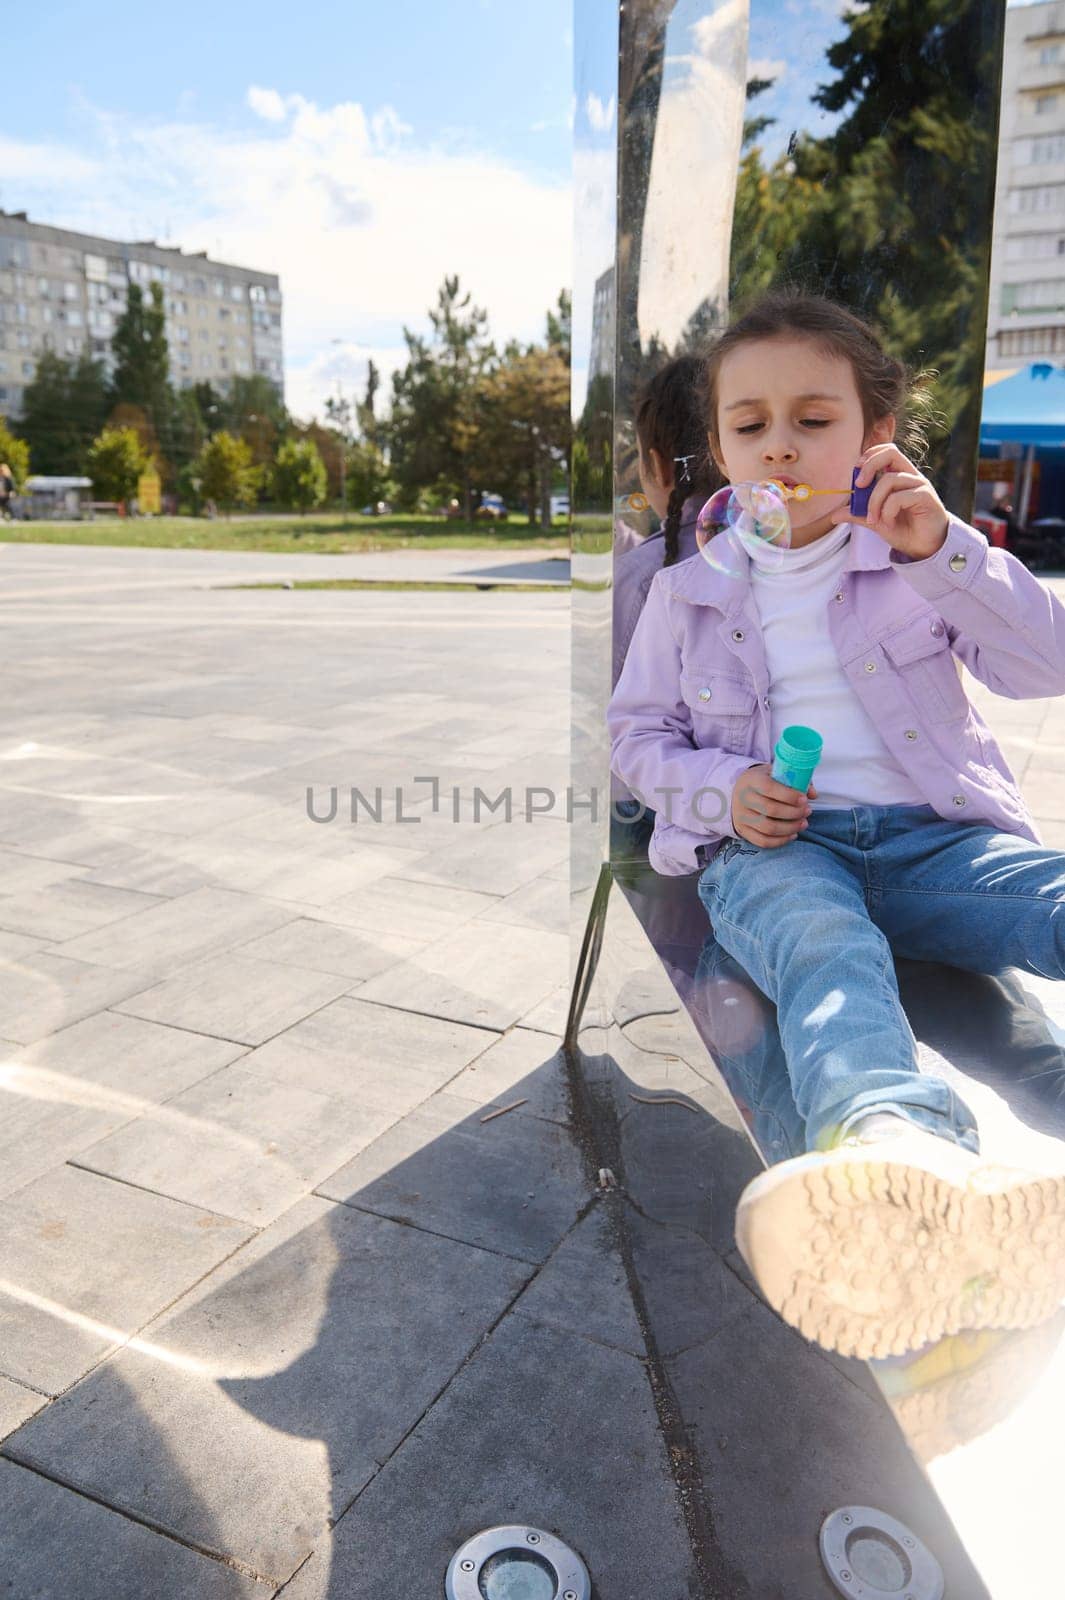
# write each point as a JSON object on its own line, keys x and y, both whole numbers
{"x": 854, "y": 155}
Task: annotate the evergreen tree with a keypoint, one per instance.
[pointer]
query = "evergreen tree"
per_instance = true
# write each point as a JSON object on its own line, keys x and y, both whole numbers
{"x": 888, "y": 213}
{"x": 142, "y": 359}
{"x": 437, "y": 401}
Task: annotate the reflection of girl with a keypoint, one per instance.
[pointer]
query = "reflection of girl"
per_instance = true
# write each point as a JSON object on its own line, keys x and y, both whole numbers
{"x": 889, "y": 1232}
{"x": 677, "y": 475}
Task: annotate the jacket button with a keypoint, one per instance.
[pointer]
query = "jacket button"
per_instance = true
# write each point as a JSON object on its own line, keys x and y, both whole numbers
{"x": 706, "y": 694}
{"x": 838, "y": 597}
{"x": 937, "y": 628}
{"x": 956, "y": 563}
{"x": 765, "y": 701}
{"x": 959, "y": 799}
{"x": 870, "y": 666}
{"x": 738, "y": 635}
{"x": 911, "y": 733}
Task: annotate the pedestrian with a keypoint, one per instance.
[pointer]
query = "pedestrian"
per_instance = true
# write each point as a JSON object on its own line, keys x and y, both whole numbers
{"x": 7, "y": 490}
{"x": 889, "y": 1231}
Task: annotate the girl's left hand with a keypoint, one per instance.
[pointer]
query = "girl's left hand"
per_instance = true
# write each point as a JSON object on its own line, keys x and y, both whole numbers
{"x": 904, "y": 509}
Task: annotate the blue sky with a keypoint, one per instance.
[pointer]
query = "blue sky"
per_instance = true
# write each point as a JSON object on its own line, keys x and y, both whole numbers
{"x": 359, "y": 150}
{"x": 489, "y": 71}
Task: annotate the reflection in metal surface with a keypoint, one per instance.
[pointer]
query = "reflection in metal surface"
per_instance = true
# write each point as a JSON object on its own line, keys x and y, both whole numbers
{"x": 753, "y": 146}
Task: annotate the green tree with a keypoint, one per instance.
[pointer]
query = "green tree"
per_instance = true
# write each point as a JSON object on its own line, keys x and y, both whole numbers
{"x": 299, "y": 475}
{"x": 888, "y": 212}
{"x": 115, "y": 462}
{"x": 365, "y": 412}
{"x": 527, "y": 428}
{"x": 16, "y": 452}
{"x": 142, "y": 358}
{"x": 64, "y": 408}
{"x": 226, "y": 472}
{"x": 252, "y": 409}
{"x": 437, "y": 426}
{"x": 368, "y": 478}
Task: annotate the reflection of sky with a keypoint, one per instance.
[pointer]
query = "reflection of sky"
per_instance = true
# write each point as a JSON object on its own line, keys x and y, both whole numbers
{"x": 595, "y": 77}
{"x": 788, "y": 43}
{"x": 788, "y": 40}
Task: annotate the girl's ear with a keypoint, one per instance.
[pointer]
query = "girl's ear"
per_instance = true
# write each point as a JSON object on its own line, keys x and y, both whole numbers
{"x": 661, "y": 470}
{"x": 882, "y": 431}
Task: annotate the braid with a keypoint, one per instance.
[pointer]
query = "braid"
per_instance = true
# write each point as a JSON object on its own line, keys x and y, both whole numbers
{"x": 677, "y": 496}
{"x": 669, "y": 419}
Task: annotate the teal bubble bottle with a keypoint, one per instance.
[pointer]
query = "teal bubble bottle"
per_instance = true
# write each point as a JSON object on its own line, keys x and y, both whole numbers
{"x": 798, "y": 750}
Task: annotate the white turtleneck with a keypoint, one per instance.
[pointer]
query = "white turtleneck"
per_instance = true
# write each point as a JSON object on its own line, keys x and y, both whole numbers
{"x": 792, "y": 590}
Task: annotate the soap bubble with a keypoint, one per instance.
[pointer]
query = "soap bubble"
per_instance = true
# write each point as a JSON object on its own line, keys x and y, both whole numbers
{"x": 739, "y": 514}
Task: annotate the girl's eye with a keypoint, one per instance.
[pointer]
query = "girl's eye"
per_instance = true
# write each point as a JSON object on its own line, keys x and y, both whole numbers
{"x": 808, "y": 421}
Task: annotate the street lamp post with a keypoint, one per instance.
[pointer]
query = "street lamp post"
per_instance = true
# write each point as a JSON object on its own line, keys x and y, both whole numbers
{"x": 342, "y": 415}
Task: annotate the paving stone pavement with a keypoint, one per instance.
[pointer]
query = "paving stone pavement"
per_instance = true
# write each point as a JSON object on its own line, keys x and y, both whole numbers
{"x": 280, "y": 1310}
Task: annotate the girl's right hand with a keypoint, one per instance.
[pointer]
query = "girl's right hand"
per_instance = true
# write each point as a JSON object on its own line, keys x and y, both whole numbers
{"x": 768, "y": 813}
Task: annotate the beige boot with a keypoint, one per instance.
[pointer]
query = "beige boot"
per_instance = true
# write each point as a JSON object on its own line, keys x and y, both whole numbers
{"x": 893, "y": 1240}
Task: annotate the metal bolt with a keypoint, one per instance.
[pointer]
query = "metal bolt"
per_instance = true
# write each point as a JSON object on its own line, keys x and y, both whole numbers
{"x": 570, "y": 1594}
{"x": 532, "y": 1538}
{"x": 848, "y": 1520}
{"x": 908, "y": 1543}
{"x": 467, "y": 1566}
{"x": 845, "y": 1575}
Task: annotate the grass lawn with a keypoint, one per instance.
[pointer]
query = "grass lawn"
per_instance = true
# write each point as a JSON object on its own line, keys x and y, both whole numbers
{"x": 329, "y": 533}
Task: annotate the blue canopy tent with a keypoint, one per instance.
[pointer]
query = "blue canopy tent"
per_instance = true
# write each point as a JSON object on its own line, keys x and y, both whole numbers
{"x": 1027, "y": 408}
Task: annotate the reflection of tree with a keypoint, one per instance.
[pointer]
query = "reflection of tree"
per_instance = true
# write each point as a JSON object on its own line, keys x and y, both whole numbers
{"x": 890, "y": 213}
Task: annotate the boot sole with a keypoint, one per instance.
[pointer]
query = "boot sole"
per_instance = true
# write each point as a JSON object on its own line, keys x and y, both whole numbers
{"x": 873, "y": 1258}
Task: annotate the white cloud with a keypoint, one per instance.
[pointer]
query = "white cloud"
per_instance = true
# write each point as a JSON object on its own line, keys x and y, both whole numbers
{"x": 27, "y": 164}
{"x": 763, "y": 67}
{"x": 600, "y": 116}
{"x": 360, "y": 220}
{"x": 267, "y": 103}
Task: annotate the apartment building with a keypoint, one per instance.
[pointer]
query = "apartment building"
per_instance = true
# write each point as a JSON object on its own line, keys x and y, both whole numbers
{"x": 65, "y": 292}
{"x": 1026, "y": 312}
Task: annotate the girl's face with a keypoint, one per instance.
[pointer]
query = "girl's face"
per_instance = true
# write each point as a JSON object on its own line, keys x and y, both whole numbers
{"x": 787, "y": 409}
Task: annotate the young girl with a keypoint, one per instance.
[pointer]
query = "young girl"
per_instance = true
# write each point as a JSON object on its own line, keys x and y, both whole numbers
{"x": 889, "y": 1232}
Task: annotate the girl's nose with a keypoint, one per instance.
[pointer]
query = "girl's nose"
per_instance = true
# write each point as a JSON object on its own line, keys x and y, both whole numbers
{"x": 776, "y": 450}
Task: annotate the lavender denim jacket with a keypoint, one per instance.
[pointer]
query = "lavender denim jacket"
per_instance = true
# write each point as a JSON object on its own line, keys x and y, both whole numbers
{"x": 690, "y": 711}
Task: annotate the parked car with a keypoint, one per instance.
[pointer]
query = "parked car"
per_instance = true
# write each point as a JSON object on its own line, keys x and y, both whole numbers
{"x": 491, "y": 509}
{"x": 560, "y": 505}
{"x": 381, "y": 509}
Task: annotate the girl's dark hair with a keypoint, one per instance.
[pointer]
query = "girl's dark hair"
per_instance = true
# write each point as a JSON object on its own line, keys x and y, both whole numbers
{"x": 669, "y": 418}
{"x": 883, "y": 383}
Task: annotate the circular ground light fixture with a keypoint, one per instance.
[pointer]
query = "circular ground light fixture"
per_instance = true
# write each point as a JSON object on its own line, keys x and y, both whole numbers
{"x": 871, "y": 1556}
{"x": 516, "y": 1563}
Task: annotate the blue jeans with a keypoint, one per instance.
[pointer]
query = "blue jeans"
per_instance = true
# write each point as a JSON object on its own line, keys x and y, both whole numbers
{"x": 815, "y": 923}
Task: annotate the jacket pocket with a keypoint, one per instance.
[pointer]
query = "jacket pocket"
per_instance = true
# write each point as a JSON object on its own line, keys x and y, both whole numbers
{"x": 722, "y": 709}
{"x": 921, "y": 655}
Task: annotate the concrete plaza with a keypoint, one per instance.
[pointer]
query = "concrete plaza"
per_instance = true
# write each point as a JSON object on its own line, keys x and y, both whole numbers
{"x": 283, "y": 1306}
